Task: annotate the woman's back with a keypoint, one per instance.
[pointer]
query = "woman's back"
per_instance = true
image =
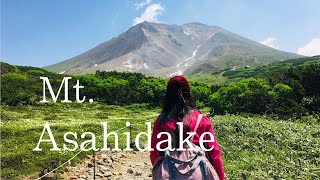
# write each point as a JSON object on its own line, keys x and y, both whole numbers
{"x": 179, "y": 112}
{"x": 204, "y": 126}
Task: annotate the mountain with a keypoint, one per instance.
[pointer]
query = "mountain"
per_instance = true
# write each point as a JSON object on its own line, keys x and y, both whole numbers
{"x": 166, "y": 50}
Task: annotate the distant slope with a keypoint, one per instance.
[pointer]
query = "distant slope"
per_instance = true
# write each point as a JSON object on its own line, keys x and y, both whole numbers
{"x": 166, "y": 50}
{"x": 33, "y": 72}
{"x": 226, "y": 76}
{"x": 225, "y": 50}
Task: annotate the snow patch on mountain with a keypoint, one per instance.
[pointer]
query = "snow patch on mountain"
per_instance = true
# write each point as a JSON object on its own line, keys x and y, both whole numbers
{"x": 128, "y": 64}
{"x": 186, "y": 33}
{"x": 178, "y": 73}
{"x": 145, "y": 65}
{"x": 185, "y": 62}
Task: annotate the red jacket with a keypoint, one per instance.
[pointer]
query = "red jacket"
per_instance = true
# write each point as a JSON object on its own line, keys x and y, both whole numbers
{"x": 204, "y": 126}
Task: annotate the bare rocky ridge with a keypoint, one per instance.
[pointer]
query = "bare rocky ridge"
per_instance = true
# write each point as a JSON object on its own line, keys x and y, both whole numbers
{"x": 166, "y": 50}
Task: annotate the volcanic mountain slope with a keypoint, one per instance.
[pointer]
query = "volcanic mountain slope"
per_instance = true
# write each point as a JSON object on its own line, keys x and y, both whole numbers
{"x": 167, "y": 50}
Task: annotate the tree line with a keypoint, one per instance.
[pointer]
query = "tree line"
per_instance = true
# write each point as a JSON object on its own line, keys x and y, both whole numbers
{"x": 291, "y": 92}
{"x": 22, "y": 85}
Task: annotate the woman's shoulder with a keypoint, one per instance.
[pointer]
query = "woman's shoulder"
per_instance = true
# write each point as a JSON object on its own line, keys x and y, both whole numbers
{"x": 205, "y": 121}
{"x": 196, "y": 113}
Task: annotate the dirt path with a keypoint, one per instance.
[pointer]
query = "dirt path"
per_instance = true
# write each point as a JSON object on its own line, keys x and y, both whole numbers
{"x": 112, "y": 165}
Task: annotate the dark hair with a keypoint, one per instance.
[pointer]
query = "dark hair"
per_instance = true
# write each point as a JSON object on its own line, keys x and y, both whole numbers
{"x": 178, "y": 102}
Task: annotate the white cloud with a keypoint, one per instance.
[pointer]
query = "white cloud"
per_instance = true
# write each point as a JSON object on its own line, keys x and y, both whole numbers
{"x": 271, "y": 42}
{"x": 141, "y": 4}
{"x": 150, "y": 14}
{"x": 310, "y": 49}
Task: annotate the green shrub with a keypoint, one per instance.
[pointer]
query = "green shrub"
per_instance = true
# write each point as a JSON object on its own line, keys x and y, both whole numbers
{"x": 15, "y": 89}
{"x": 249, "y": 95}
{"x": 258, "y": 97}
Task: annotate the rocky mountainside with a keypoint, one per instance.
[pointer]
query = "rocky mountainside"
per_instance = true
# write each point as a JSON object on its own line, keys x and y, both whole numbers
{"x": 167, "y": 50}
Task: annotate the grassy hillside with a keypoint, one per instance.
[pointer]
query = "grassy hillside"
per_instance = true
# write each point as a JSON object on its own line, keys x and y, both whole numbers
{"x": 252, "y": 147}
{"x": 230, "y": 75}
{"x": 212, "y": 78}
{"x": 21, "y": 127}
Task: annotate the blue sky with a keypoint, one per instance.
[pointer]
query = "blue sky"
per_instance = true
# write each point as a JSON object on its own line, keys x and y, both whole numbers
{"x": 43, "y": 32}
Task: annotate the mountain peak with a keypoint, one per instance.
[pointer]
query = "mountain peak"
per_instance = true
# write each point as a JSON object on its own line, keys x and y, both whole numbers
{"x": 148, "y": 22}
{"x": 164, "y": 50}
{"x": 145, "y": 25}
{"x": 196, "y": 24}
